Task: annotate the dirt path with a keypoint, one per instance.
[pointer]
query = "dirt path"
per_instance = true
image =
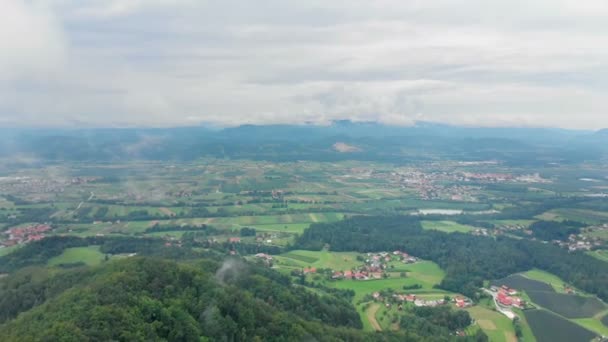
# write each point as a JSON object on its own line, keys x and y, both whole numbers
{"x": 166, "y": 211}
{"x": 371, "y": 316}
{"x": 313, "y": 217}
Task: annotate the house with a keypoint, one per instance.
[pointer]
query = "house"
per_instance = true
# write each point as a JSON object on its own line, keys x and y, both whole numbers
{"x": 234, "y": 240}
{"x": 376, "y": 295}
{"x": 360, "y": 276}
{"x": 337, "y": 275}
{"x": 376, "y": 275}
{"x": 263, "y": 256}
{"x": 348, "y": 274}
{"x": 504, "y": 299}
{"x": 310, "y": 270}
{"x": 461, "y": 302}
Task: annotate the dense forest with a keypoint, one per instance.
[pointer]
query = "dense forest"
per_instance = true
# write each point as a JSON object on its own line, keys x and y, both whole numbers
{"x": 467, "y": 259}
{"x": 152, "y": 299}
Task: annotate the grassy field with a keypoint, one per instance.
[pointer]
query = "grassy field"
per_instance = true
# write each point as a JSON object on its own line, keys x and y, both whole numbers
{"x": 524, "y": 223}
{"x": 289, "y": 227}
{"x": 295, "y": 223}
{"x": 89, "y": 255}
{"x": 361, "y": 288}
{"x": 593, "y": 325}
{"x": 447, "y": 226}
{"x": 580, "y": 215}
{"x": 7, "y": 250}
{"x": 546, "y": 277}
{"x": 323, "y": 259}
{"x": 526, "y": 330}
{"x": 599, "y": 254}
{"x": 497, "y": 326}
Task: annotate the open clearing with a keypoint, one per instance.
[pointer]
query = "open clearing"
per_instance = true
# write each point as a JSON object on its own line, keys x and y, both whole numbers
{"x": 580, "y": 215}
{"x": 447, "y": 226}
{"x": 324, "y": 259}
{"x": 497, "y": 326}
{"x": 89, "y": 255}
{"x": 486, "y": 324}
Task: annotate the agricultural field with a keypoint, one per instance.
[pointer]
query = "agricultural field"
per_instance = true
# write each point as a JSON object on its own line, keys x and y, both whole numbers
{"x": 497, "y": 326}
{"x": 549, "y": 293}
{"x": 282, "y": 199}
{"x": 569, "y": 306}
{"x": 520, "y": 282}
{"x": 579, "y": 215}
{"x": 425, "y": 274}
{"x": 549, "y": 327}
{"x": 547, "y": 278}
{"x": 323, "y": 259}
{"x": 593, "y": 325}
{"x": 447, "y": 226}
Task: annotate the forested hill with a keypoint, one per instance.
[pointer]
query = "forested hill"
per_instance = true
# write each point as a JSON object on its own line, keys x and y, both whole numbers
{"x": 467, "y": 259}
{"x": 143, "y": 299}
{"x": 150, "y": 299}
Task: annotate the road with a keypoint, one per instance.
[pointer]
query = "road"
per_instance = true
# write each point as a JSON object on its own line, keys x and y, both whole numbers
{"x": 82, "y": 202}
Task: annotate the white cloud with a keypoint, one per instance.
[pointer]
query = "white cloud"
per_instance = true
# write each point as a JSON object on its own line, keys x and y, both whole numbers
{"x": 31, "y": 41}
{"x": 162, "y": 62}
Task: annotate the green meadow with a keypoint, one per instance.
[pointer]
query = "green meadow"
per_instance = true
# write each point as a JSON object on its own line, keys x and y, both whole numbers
{"x": 447, "y": 226}
{"x": 497, "y": 326}
{"x": 89, "y": 255}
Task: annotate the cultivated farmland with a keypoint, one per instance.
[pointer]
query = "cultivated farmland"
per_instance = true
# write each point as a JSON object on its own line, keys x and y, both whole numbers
{"x": 569, "y": 306}
{"x": 520, "y": 282}
{"x": 548, "y": 327}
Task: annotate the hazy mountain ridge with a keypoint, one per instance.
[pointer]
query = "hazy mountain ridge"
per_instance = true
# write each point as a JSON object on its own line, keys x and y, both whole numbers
{"x": 308, "y": 142}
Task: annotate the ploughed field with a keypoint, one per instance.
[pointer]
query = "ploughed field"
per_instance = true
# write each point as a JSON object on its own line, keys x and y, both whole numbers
{"x": 549, "y": 327}
{"x": 517, "y": 281}
{"x": 569, "y": 306}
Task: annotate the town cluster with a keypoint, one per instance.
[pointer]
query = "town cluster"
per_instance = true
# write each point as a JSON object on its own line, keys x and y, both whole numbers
{"x": 585, "y": 241}
{"x": 19, "y": 235}
{"x": 374, "y": 266}
{"x": 29, "y": 185}
{"x": 400, "y": 299}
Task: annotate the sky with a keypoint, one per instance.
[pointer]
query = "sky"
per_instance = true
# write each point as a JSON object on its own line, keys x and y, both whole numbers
{"x": 159, "y": 63}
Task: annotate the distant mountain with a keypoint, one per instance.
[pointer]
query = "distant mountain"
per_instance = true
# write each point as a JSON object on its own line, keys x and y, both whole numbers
{"x": 602, "y": 132}
{"x": 374, "y": 141}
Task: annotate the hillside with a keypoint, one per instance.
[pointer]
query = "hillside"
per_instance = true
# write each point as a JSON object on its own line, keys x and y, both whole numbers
{"x": 145, "y": 299}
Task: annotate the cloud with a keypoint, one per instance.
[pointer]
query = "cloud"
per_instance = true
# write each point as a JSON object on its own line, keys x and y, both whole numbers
{"x": 183, "y": 62}
{"x": 31, "y": 41}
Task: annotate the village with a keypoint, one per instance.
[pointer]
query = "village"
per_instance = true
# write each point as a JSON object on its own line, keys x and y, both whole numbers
{"x": 390, "y": 298}
{"x": 19, "y": 235}
{"x": 374, "y": 266}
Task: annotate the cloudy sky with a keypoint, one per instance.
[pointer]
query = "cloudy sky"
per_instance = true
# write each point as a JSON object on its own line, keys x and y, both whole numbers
{"x": 186, "y": 62}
